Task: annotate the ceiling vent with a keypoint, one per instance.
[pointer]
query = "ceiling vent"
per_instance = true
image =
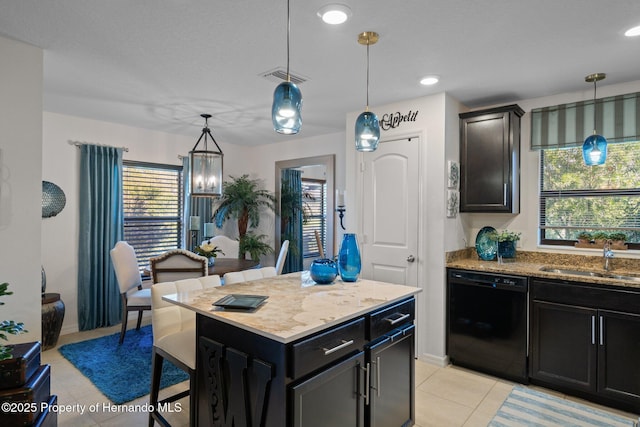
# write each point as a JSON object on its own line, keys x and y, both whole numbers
{"x": 279, "y": 75}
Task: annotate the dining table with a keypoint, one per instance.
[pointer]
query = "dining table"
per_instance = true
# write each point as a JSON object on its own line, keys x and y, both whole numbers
{"x": 221, "y": 266}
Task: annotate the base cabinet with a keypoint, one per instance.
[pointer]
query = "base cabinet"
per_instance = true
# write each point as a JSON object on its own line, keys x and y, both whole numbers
{"x": 333, "y": 397}
{"x": 590, "y": 347}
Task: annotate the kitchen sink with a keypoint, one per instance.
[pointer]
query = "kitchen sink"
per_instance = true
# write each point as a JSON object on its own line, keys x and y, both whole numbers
{"x": 589, "y": 273}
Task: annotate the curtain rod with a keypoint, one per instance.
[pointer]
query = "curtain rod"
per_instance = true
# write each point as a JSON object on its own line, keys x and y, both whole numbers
{"x": 80, "y": 143}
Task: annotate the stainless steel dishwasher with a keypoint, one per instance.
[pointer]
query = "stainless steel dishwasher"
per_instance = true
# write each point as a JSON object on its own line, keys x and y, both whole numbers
{"x": 487, "y": 323}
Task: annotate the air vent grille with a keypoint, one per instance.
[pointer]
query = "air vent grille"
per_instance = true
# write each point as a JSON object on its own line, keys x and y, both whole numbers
{"x": 279, "y": 75}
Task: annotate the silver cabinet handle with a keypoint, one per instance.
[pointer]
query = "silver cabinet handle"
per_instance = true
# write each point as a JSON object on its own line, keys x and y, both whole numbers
{"x": 601, "y": 330}
{"x": 328, "y": 351}
{"x": 378, "y": 385}
{"x": 504, "y": 195}
{"x": 593, "y": 330}
{"x": 399, "y": 319}
{"x": 367, "y": 384}
{"x": 411, "y": 258}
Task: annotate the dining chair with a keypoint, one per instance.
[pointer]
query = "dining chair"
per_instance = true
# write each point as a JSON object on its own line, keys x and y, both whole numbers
{"x": 174, "y": 339}
{"x": 177, "y": 264}
{"x": 229, "y": 247}
{"x": 247, "y": 275}
{"x": 282, "y": 256}
{"x": 133, "y": 296}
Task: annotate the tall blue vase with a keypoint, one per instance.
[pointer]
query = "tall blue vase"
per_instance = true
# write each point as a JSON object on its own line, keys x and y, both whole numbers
{"x": 349, "y": 262}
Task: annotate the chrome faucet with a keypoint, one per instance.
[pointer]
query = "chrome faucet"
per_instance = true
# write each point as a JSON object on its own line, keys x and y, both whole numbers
{"x": 607, "y": 254}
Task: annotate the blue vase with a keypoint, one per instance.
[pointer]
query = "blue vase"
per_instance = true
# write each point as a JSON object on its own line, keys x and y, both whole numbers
{"x": 349, "y": 262}
{"x": 323, "y": 271}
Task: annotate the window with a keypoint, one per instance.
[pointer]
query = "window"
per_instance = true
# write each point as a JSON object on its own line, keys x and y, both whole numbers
{"x": 314, "y": 214}
{"x": 575, "y": 197}
{"x": 153, "y": 199}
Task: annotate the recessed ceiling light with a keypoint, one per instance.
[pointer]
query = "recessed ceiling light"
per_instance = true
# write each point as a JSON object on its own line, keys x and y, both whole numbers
{"x": 632, "y": 32}
{"x": 334, "y": 14}
{"x": 429, "y": 80}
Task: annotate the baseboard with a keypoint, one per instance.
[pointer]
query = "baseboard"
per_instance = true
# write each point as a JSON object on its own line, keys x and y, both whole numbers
{"x": 440, "y": 361}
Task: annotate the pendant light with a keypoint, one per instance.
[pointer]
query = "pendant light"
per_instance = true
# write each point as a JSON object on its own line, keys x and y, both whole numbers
{"x": 205, "y": 172}
{"x": 286, "y": 111}
{"x": 367, "y": 124}
{"x": 594, "y": 149}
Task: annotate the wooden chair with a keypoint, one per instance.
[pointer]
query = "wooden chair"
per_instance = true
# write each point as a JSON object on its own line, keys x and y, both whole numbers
{"x": 174, "y": 339}
{"x": 229, "y": 247}
{"x": 134, "y": 297}
{"x": 177, "y": 264}
{"x": 251, "y": 274}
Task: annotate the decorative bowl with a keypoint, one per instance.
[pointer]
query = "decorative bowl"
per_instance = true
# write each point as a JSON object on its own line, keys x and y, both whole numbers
{"x": 323, "y": 271}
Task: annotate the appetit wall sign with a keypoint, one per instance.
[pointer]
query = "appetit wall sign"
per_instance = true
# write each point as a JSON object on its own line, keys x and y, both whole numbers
{"x": 393, "y": 120}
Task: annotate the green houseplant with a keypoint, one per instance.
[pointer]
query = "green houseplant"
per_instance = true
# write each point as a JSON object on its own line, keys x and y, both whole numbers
{"x": 254, "y": 245}
{"x": 243, "y": 199}
{"x": 8, "y": 326}
{"x": 506, "y": 242}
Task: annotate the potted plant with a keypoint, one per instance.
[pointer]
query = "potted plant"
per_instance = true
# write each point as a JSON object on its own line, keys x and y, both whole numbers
{"x": 584, "y": 237}
{"x": 207, "y": 249}
{"x": 242, "y": 199}
{"x": 254, "y": 245}
{"x": 618, "y": 238}
{"x": 600, "y": 237}
{"x": 8, "y": 327}
{"x": 506, "y": 241}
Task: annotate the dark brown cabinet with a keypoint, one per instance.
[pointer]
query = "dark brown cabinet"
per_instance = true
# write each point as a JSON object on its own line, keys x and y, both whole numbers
{"x": 490, "y": 160}
{"x": 586, "y": 339}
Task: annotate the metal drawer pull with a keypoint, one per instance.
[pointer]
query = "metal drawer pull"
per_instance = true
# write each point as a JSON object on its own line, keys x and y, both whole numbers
{"x": 338, "y": 347}
{"x": 601, "y": 330}
{"x": 399, "y": 319}
{"x": 593, "y": 330}
{"x": 366, "y": 384}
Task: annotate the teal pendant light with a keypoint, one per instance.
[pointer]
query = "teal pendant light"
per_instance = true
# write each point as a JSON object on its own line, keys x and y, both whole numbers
{"x": 367, "y": 128}
{"x": 594, "y": 149}
{"x": 286, "y": 110}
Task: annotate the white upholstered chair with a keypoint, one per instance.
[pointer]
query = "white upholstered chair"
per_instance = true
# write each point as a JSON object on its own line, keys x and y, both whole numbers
{"x": 177, "y": 264}
{"x": 133, "y": 296}
{"x": 174, "y": 339}
{"x": 229, "y": 247}
{"x": 282, "y": 256}
{"x": 247, "y": 275}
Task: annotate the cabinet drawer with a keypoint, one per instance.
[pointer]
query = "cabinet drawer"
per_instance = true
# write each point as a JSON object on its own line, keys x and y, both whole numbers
{"x": 392, "y": 317}
{"x": 326, "y": 347}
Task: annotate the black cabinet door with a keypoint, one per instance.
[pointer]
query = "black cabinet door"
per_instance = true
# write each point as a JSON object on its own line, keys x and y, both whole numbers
{"x": 619, "y": 356}
{"x": 563, "y": 346}
{"x": 392, "y": 366}
{"x": 332, "y": 397}
{"x": 490, "y": 160}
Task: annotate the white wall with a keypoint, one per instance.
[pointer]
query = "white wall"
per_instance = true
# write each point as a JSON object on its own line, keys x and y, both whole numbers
{"x": 60, "y": 166}
{"x": 20, "y": 184}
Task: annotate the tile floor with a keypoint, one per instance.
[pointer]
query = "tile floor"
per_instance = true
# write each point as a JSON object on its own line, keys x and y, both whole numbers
{"x": 449, "y": 396}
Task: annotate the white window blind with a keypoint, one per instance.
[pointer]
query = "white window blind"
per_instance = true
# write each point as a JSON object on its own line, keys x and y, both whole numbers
{"x": 314, "y": 216}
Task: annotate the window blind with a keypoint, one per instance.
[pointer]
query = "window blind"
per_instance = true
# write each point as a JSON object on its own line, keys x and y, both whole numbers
{"x": 152, "y": 196}
{"x": 314, "y": 205}
{"x": 568, "y": 125}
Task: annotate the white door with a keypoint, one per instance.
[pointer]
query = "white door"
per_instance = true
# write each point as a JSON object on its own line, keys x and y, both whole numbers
{"x": 390, "y": 212}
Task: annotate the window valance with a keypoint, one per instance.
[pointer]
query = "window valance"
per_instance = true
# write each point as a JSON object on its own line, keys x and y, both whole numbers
{"x": 567, "y": 125}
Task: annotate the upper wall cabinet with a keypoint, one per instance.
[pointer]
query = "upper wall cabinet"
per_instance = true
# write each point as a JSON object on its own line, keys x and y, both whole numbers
{"x": 490, "y": 160}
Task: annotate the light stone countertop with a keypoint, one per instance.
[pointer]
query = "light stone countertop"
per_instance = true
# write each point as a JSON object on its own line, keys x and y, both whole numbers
{"x": 529, "y": 264}
{"x": 294, "y": 310}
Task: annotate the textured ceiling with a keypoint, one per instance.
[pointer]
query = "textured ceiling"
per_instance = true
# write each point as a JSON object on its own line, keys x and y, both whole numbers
{"x": 159, "y": 64}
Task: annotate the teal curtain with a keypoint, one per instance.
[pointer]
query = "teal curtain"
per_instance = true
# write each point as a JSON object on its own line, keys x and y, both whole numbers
{"x": 101, "y": 226}
{"x": 291, "y": 214}
{"x": 194, "y": 206}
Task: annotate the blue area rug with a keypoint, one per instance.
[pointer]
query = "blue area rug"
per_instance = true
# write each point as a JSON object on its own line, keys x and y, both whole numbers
{"x": 526, "y": 407}
{"x": 121, "y": 372}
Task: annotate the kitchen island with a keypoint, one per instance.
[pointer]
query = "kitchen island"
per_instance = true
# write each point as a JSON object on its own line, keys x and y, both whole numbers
{"x": 339, "y": 355}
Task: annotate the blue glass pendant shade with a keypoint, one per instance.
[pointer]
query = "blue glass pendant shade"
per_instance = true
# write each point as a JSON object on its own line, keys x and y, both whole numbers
{"x": 594, "y": 150}
{"x": 286, "y": 111}
{"x": 367, "y": 132}
{"x": 349, "y": 262}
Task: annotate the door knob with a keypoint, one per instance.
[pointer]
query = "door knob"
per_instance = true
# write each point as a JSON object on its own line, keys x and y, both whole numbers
{"x": 411, "y": 258}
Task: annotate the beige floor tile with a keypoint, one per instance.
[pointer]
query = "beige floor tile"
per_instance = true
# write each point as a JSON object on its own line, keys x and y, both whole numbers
{"x": 424, "y": 370}
{"x": 458, "y": 386}
{"x": 494, "y": 398}
{"x": 434, "y": 411}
